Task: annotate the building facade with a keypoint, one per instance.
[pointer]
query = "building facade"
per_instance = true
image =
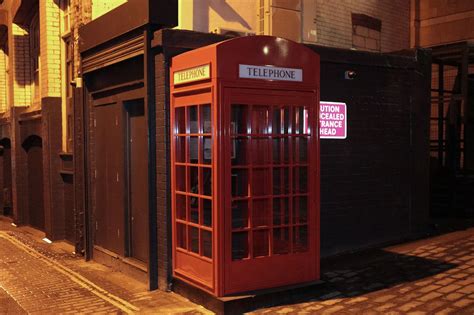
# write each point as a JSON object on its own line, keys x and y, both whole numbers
{"x": 85, "y": 118}
{"x": 39, "y": 64}
{"x": 446, "y": 28}
{"x": 379, "y": 26}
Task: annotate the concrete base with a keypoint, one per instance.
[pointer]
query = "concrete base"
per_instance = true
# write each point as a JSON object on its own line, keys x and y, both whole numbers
{"x": 248, "y": 301}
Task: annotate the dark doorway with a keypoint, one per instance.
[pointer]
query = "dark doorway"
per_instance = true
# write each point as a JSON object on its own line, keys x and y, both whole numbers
{"x": 109, "y": 174}
{"x": 138, "y": 180}
{"x": 69, "y": 207}
{"x": 34, "y": 150}
{"x": 7, "y": 177}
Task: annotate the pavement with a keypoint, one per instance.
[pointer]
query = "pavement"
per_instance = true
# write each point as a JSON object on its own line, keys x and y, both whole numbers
{"x": 430, "y": 276}
{"x": 41, "y": 278}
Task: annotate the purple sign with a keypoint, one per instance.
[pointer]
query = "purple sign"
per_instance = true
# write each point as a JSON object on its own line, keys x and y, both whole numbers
{"x": 332, "y": 120}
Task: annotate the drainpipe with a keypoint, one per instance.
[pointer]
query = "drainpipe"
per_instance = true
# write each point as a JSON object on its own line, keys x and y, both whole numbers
{"x": 415, "y": 23}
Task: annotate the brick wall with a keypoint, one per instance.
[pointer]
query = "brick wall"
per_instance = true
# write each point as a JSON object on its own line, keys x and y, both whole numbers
{"x": 50, "y": 45}
{"x": 22, "y": 80}
{"x": 163, "y": 205}
{"x": 374, "y": 184}
{"x": 322, "y": 22}
{"x": 53, "y": 183}
{"x": 81, "y": 13}
{"x": 100, "y": 7}
{"x": 334, "y": 24}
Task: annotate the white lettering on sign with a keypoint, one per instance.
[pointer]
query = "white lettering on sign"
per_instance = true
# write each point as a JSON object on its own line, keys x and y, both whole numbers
{"x": 332, "y": 120}
{"x": 192, "y": 74}
{"x": 270, "y": 73}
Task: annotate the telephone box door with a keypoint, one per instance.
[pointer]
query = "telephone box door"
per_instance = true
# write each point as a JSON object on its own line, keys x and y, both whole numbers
{"x": 271, "y": 160}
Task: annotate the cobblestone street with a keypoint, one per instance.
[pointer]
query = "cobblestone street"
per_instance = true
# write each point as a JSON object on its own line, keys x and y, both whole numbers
{"x": 433, "y": 276}
{"x": 46, "y": 279}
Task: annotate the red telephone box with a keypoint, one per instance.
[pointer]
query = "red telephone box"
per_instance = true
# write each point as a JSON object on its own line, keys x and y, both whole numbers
{"x": 245, "y": 165}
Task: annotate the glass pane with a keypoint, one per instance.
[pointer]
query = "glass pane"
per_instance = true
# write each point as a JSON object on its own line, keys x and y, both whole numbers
{"x": 207, "y": 150}
{"x": 286, "y": 121}
{"x": 299, "y": 120}
{"x": 240, "y": 186}
{"x": 306, "y": 127}
{"x": 285, "y": 143}
{"x": 180, "y": 207}
{"x": 276, "y": 151}
{"x": 281, "y": 178}
{"x": 193, "y": 215}
{"x": 180, "y": 120}
{"x": 207, "y": 212}
{"x": 180, "y": 178}
{"x": 193, "y": 149}
{"x": 181, "y": 235}
{"x": 240, "y": 214}
{"x": 240, "y": 246}
{"x": 281, "y": 240}
{"x": 281, "y": 211}
{"x": 260, "y": 243}
{"x": 300, "y": 179}
{"x": 276, "y": 122}
{"x": 277, "y": 174}
{"x": 206, "y": 181}
{"x": 193, "y": 119}
{"x": 260, "y": 120}
{"x": 301, "y": 150}
{"x": 206, "y": 118}
{"x": 239, "y": 151}
{"x": 261, "y": 151}
{"x": 239, "y": 119}
{"x": 193, "y": 180}
{"x": 206, "y": 239}
{"x": 261, "y": 212}
{"x": 180, "y": 149}
{"x": 300, "y": 209}
{"x": 300, "y": 238}
{"x": 260, "y": 182}
{"x": 193, "y": 239}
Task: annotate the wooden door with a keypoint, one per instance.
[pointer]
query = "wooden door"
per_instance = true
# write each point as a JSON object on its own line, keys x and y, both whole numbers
{"x": 109, "y": 178}
{"x": 138, "y": 180}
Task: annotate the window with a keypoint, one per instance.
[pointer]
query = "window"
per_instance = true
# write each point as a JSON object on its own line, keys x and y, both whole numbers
{"x": 4, "y": 78}
{"x": 269, "y": 182}
{"x": 193, "y": 175}
{"x": 35, "y": 56}
{"x": 66, "y": 16}
{"x": 68, "y": 72}
{"x": 366, "y": 32}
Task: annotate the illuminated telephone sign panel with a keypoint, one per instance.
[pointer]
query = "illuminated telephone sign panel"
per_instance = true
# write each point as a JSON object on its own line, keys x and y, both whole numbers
{"x": 245, "y": 165}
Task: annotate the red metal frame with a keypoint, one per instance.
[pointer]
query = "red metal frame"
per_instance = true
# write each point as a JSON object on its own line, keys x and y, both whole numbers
{"x": 261, "y": 164}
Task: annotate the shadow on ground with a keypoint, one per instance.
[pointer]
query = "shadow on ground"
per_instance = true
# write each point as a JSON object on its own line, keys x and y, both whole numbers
{"x": 353, "y": 275}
